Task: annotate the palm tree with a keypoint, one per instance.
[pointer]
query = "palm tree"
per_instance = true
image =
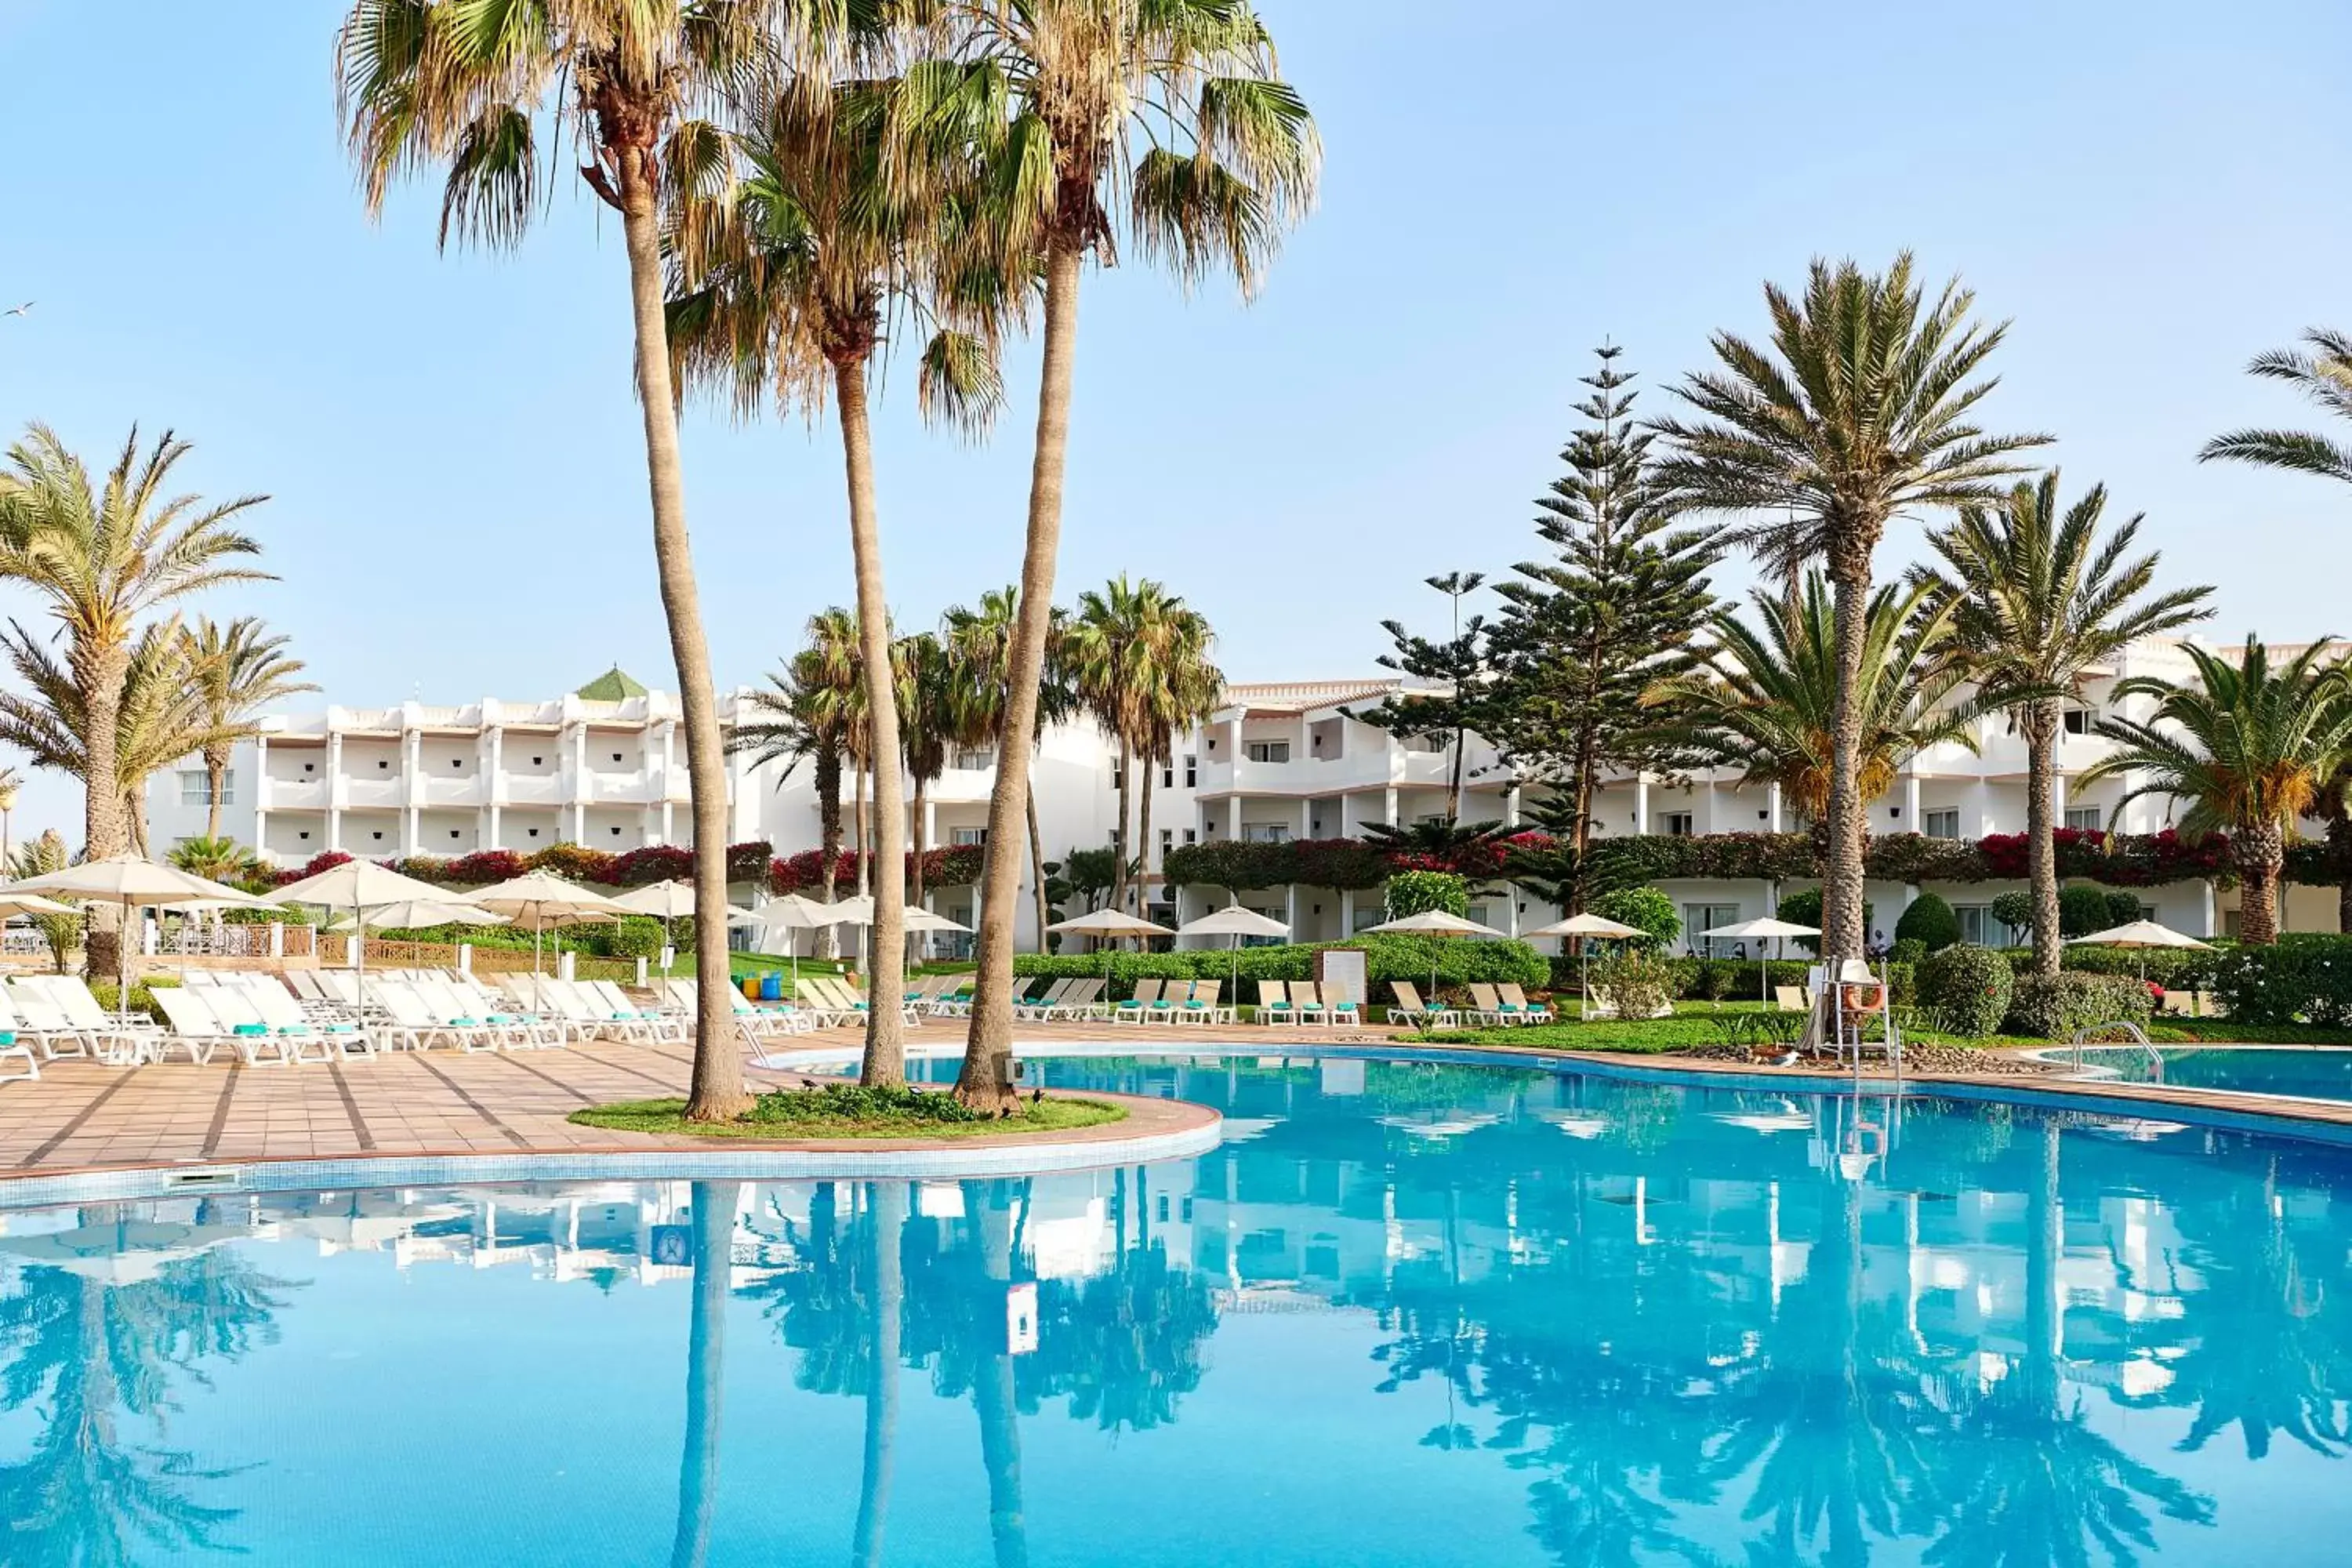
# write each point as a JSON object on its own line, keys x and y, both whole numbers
{"x": 927, "y": 701}
{"x": 1858, "y": 414}
{"x": 44, "y": 854}
{"x": 788, "y": 276}
{"x": 158, "y": 716}
{"x": 794, "y": 729}
{"x": 238, "y": 672}
{"x": 1769, "y": 703}
{"x": 488, "y": 91}
{"x": 2247, "y": 746}
{"x": 705, "y": 1374}
{"x": 1176, "y": 109}
{"x": 2323, "y": 375}
{"x": 2039, "y": 600}
{"x": 216, "y": 859}
{"x": 103, "y": 560}
{"x": 981, "y": 643}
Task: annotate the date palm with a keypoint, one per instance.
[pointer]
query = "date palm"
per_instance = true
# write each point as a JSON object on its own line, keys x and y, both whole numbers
{"x": 982, "y": 641}
{"x": 102, "y": 559}
{"x": 11, "y": 781}
{"x": 2039, "y": 599}
{"x": 1860, "y": 411}
{"x": 238, "y": 672}
{"x": 1174, "y": 110}
{"x": 2248, "y": 745}
{"x": 2325, "y": 375}
{"x": 1768, "y": 703}
{"x": 788, "y": 274}
{"x": 795, "y": 722}
{"x": 488, "y": 92}
{"x": 926, "y": 704}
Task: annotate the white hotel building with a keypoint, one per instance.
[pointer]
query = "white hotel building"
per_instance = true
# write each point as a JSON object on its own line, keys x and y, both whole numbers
{"x": 605, "y": 767}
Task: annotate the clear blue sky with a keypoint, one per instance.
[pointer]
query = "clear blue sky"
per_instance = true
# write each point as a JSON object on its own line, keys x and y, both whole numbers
{"x": 2154, "y": 191}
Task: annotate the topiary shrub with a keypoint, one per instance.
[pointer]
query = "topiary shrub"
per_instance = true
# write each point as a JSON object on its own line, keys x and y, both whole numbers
{"x": 640, "y": 936}
{"x": 2083, "y": 908}
{"x": 2055, "y": 1007}
{"x": 2015, "y": 909}
{"x": 1803, "y": 907}
{"x": 2123, "y": 909}
{"x": 1967, "y": 989}
{"x": 1418, "y": 893}
{"x": 1646, "y": 910}
{"x": 1930, "y": 923}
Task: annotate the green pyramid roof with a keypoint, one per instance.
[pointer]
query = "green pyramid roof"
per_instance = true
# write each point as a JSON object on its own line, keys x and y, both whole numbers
{"x": 613, "y": 686}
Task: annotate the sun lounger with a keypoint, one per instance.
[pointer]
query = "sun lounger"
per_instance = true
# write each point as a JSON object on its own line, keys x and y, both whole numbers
{"x": 415, "y": 1019}
{"x": 63, "y": 1004}
{"x": 237, "y": 1010}
{"x": 1274, "y": 1004}
{"x": 2180, "y": 1004}
{"x": 53, "y": 1043}
{"x": 1791, "y": 999}
{"x": 1082, "y": 1000}
{"x": 1170, "y": 1001}
{"x": 1204, "y": 1006}
{"x": 1409, "y": 1008}
{"x": 1131, "y": 1011}
{"x": 1485, "y": 1007}
{"x": 193, "y": 1029}
{"x": 1514, "y": 1001}
{"x": 1341, "y": 1008}
{"x": 1308, "y": 998}
{"x": 1038, "y": 1007}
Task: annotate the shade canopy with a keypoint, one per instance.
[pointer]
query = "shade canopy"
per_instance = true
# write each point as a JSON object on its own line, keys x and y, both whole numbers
{"x": 1761, "y": 929}
{"x": 418, "y": 914}
{"x": 856, "y": 911}
{"x": 922, "y": 920}
{"x": 1234, "y": 921}
{"x": 1431, "y": 922}
{"x": 1589, "y": 925}
{"x": 539, "y": 902}
{"x": 1112, "y": 923}
{"x": 133, "y": 881}
{"x": 14, "y": 903}
{"x": 359, "y": 885}
{"x": 673, "y": 901}
{"x": 2139, "y": 934}
{"x": 793, "y": 912}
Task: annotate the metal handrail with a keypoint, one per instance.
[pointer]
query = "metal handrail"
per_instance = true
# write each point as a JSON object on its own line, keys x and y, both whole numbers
{"x": 2138, "y": 1038}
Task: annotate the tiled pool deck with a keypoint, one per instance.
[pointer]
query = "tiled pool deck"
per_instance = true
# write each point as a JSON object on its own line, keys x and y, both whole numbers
{"x": 81, "y": 1117}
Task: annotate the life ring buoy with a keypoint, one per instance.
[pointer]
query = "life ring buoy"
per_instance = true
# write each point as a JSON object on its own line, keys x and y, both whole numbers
{"x": 1861, "y": 998}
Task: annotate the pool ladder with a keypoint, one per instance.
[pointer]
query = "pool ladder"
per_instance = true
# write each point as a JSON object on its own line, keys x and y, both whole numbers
{"x": 2138, "y": 1038}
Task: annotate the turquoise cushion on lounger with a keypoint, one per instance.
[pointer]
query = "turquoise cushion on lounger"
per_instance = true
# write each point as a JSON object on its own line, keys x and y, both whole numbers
{"x": 251, "y": 1030}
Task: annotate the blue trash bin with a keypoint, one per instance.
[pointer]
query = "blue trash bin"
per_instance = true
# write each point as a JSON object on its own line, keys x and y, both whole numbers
{"x": 772, "y": 987}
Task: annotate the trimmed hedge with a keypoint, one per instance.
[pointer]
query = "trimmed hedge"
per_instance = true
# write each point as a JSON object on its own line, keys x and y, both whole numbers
{"x": 1967, "y": 989}
{"x": 1644, "y": 908}
{"x": 1419, "y": 892}
{"x": 1386, "y": 958}
{"x": 2054, "y": 1006}
{"x": 2305, "y": 978}
{"x": 2174, "y": 968}
{"x": 1728, "y": 979}
{"x": 2083, "y": 908}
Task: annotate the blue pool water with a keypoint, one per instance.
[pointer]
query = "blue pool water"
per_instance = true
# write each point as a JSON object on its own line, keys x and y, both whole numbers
{"x": 1406, "y": 1315}
{"x": 2313, "y": 1072}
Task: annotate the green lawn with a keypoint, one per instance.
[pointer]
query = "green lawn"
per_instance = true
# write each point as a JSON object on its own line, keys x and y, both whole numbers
{"x": 846, "y": 1110}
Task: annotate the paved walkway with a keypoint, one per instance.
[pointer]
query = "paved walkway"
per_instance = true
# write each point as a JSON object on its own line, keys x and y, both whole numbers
{"x": 80, "y": 1116}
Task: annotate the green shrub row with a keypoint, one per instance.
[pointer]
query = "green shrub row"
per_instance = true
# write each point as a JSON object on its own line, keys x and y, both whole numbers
{"x": 1966, "y": 989}
{"x": 1386, "y": 958}
{"x": 2305, "y": 979}
{"x": 2055, "y": 1007}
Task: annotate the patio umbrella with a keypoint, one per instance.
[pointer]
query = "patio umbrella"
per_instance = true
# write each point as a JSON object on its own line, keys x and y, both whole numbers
{"x": 1758, "y": 932}
{"x": 1578, "y": 927}
{"x": 540, "y": 902}
{"x": 14, "y": 903}
{"x": 1236, "y": 923}
{"x": 415, "y": 914}
{"x": 1431, "y": 922}
{"x": 790, "y": 913}
{"x": 921, "y": 919}
{"x": 667, "y": 901}
{"x": 2140, "y": 934}
{"x": 131, "y": 881}
{"x": 1110, "y": 925}
{"x": 360, "y": 886}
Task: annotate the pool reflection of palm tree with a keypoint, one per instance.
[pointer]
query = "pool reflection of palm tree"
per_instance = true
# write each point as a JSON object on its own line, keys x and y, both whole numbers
{"x": 2035, "y": 1484}
{"x": 706, "y": 1365}
{"x": 989, "y": 1207}
{"x": 887, "y": 1203}
{"x": 88, "y": 1352}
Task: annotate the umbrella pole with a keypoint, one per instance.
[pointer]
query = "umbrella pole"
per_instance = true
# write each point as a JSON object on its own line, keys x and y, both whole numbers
{"x": 122, "y": 962}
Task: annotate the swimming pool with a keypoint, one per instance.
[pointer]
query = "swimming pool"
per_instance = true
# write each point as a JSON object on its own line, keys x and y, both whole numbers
{"x": 2311, "y": 1071}
{"x": 1406, "y": 1314}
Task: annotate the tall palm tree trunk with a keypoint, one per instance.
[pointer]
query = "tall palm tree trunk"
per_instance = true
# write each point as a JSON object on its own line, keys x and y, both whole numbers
{"x": 857, "y": 827}
{"x": 2258, "y": 854}
{"x": 706, "y": 1366}
{"x": 986, "y": 1078}
{"x": 829, "y": 819}
{"x": 103, "y": 820}
{"x": 885, "y": 956}
{"x": 889, "y": 1201}
{"x": 717, "y": 1092}
{"x": 2042, "y": 721}
{"x": 1143, "y": 842}
{"x": 1125, "y": 847}
{"x": 216, "y": 780}
{"x": 1842, "y": 875}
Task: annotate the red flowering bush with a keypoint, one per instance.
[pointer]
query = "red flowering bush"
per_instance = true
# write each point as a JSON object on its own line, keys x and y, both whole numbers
{"x": 482, "y": 868}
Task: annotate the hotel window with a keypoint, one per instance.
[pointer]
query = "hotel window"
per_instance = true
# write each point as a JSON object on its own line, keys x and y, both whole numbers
{"x": 1940, "y": 824}
{"x": 1167, "y": 841}
{"x": 1697, "y": 918}
{"x": 1267, "y": 750}
{"x": 976, "y": 760}
{"x": 1679, "y": 824}
{"x": 2081, "y": 721}
{"x": 964, "y": 838}
{"x": 1978, "y": 926}
{"x": 1168, "y": 777}
{"x": 1192, "y": 772}
{"x": 195, "y": 788}
{"x": 1265, "y": 833}
{"x": 1191, "y": 837}
{"x": 2086, "y": 818}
